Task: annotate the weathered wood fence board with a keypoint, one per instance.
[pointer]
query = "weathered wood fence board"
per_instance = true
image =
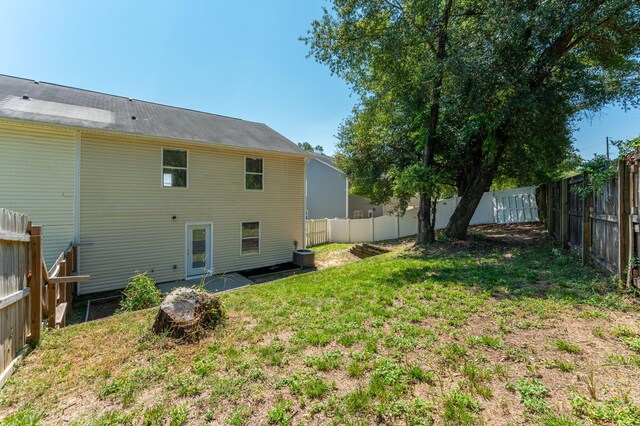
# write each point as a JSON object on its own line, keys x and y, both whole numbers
{"x": 575, "y": 213}
{"x": 14, "y": 290}
{"x": 604, "y": 227}
{"x": 556, "y": 210}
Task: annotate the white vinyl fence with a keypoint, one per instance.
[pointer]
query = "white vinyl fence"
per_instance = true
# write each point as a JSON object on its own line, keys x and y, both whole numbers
{"x": 510, "y": 206}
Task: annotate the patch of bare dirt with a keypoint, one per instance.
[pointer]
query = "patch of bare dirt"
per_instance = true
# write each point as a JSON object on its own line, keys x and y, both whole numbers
{"x": 593, "y": 372}
{"x": 335, "y": 258}
{"x": 103, "y": 308}
{"x": 484, "y": 238}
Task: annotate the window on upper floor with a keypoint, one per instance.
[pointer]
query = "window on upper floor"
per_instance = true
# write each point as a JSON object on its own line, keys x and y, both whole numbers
{"x": 174, "y": 168}
{"x": 253, "y": 173}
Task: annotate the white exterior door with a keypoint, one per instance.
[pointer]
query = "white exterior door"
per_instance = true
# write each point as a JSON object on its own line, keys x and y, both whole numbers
{"x": 198, "y": 260}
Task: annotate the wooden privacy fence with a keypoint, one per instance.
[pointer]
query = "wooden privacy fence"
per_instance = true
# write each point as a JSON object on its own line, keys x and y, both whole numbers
{"x": 601, "y": 226}
{"x": 15, "y": 296}
{"x": 29, "y": 292}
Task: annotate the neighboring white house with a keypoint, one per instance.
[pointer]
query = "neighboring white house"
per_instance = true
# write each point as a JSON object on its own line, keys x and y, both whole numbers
{"x": 147, "y": 187}
{"x": 328, "y": 193}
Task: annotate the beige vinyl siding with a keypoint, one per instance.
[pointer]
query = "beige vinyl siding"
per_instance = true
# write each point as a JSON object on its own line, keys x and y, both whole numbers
{"x": 37, "y": 177}
{"x": 126, "y": 214}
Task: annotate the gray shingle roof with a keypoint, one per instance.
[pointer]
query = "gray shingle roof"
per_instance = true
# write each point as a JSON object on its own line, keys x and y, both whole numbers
{"x": 55, "y": 104}
{"x": 327, "y": 159}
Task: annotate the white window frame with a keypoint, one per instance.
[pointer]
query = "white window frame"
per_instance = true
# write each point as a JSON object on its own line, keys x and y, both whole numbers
{"x": 358, "y": 214}
{"x": 370, "y": 213}
{"x": 162, "y": 167}
{"x": 252, "y": 173}
{"x": 247, "y": 238}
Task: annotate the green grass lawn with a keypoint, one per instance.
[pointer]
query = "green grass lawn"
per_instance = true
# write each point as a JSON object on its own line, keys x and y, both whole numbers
{"x": 490, "y": 333}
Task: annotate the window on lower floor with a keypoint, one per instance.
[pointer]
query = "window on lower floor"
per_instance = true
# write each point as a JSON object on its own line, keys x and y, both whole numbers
{"x": 250, "y": 237}
{"x": 358, "y": 214}
{"x": 174, "y": 168}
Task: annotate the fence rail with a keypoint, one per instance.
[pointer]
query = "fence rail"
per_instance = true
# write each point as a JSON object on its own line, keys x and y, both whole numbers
{"x": 29, "y": 292}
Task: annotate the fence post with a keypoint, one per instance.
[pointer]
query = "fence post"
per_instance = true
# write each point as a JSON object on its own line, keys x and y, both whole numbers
{"x": 69, "y": 286}
{"x": 373, "y": 229}
{"x": 74, "y": 250}
{"x": 35, "y": 283}
{"x": 564, "y": 217}
{"x": 52, "y": 297}
{"x": 586, "y": 221}
{"x": 623, "y": 221}
{"x": 633, "y": 210}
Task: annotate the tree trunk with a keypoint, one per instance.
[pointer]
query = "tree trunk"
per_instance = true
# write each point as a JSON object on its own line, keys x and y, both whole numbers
{"x": 459, "y": 221}
{"x": 426, "y": 233}
{"x": 434, "y": 209}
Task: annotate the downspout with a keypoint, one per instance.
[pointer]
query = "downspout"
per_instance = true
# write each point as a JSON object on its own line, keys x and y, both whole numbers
{"x": 346, "y": 197}
{"x": 76, "y": 189}
{"x": 76, "y": 204}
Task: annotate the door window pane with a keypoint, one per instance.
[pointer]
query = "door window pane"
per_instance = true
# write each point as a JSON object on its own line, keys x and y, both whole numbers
{"x": 199, "y": 248}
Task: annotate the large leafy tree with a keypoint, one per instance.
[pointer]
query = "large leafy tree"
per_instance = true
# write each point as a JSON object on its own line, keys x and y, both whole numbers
{"x": 457, "y": 93}
{"x": 397, "y": 57}
{"x": 553, "y": 59}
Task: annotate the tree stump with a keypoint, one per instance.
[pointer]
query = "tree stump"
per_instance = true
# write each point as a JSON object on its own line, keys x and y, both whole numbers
{"x": 188, "y": 314}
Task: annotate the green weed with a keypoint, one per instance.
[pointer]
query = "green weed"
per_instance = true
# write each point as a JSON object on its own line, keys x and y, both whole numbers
{"x": 563, "y": 345}
{"x": 25, "y": 416}
{"x": 280, "y": 413}
{"x": 140, "y": 293}
{"x": 239, "y": 416}
{"x": 564, "y": 366}
{"x": 614, "y": 410}
{"x": 460, "y": 408}
{"x": 532, "y": 393}
{"x": 325, "y": 361}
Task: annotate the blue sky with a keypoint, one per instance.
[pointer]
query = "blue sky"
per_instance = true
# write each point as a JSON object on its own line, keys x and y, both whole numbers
{"x": 239, "y": 58}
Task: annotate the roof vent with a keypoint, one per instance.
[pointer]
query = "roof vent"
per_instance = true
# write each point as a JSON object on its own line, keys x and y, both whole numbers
{"x": 133, "y": 117}
{"x": 25, "y": 96}
{"x": 36, "y": 82}
{"x": 130, "y": 100}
